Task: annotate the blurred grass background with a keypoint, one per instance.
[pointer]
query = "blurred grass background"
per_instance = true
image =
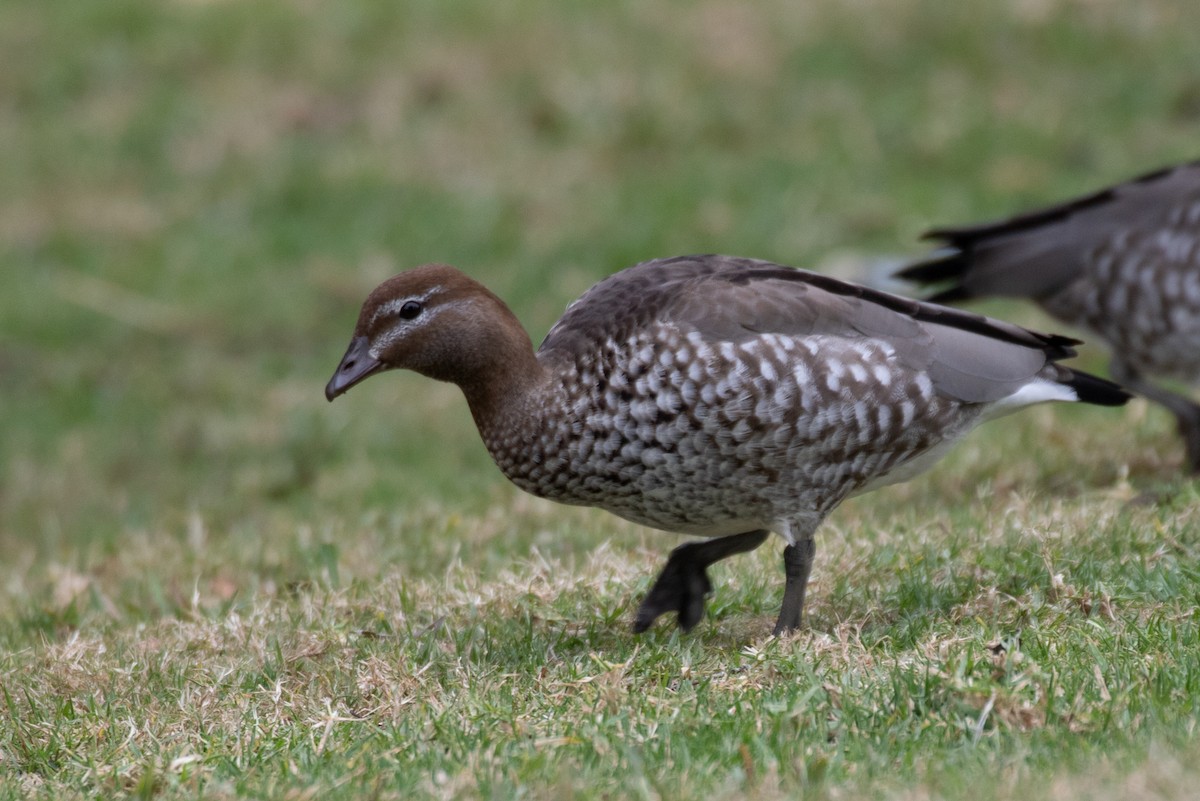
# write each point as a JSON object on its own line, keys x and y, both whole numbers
{"x": 196, "y": 195}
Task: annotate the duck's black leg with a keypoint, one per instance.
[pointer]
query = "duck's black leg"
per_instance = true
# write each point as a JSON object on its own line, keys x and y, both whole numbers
{"x": 683, "y": 583}
{"x": 797, "y": 564}
{"x": 1189, "y": 429}
{"x": 1187, "y": 413}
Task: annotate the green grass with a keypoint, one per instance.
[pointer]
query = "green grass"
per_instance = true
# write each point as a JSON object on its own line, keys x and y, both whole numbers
{"x": 214, "y": 584}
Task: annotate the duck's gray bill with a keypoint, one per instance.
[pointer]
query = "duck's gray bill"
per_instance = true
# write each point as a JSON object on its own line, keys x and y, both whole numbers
{"x": 357, "y": 365}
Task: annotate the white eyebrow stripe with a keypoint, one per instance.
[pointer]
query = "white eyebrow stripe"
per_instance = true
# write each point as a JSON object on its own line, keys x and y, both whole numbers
{"x": 393, "y": 306}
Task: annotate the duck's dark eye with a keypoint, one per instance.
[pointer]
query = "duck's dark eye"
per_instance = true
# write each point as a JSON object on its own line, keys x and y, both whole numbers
{"x": 410, "y": 310}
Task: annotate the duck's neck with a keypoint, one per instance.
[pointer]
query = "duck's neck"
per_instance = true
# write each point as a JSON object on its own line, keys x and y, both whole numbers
{"x": 502, "y": 391}
{"x": 506, "y": 386}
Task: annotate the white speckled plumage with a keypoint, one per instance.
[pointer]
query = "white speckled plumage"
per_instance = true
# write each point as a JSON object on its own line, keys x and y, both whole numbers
{"x": 713, "y": 396}
{"x": 1122, "y": 263}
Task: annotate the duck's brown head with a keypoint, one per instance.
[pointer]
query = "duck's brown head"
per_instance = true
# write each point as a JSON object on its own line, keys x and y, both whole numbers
{"x": 436, "y": 321}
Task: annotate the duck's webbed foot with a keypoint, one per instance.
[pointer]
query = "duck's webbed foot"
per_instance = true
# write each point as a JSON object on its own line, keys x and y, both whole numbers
{"x": 683, "y": 584}
{"x": 681, "y": 588}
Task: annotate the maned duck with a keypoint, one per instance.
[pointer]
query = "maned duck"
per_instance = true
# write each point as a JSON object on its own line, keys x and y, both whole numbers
{"x": 1123, "y": 263}
{"x": 714, "y": 396}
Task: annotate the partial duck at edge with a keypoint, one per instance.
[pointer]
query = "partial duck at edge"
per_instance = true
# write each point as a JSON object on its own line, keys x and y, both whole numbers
{"x": 1122, "y": 263}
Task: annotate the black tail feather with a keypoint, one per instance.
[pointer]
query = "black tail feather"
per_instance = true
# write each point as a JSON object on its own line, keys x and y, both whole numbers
{"x": 954, "y": 294}
{"x": 1097, "y": 390}
{"x": 946, "y": 265}
{"x": 942, "y": 265}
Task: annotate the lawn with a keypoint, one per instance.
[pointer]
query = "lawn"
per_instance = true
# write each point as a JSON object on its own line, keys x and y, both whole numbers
{"x": 213, "y": 584}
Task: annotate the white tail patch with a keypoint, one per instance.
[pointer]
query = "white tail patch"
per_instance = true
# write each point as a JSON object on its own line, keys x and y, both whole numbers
{"x": 1039, "y": 390}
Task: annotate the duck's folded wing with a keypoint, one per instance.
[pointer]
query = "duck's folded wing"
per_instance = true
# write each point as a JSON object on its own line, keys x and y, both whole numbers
{"x": 967, "y": 356}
